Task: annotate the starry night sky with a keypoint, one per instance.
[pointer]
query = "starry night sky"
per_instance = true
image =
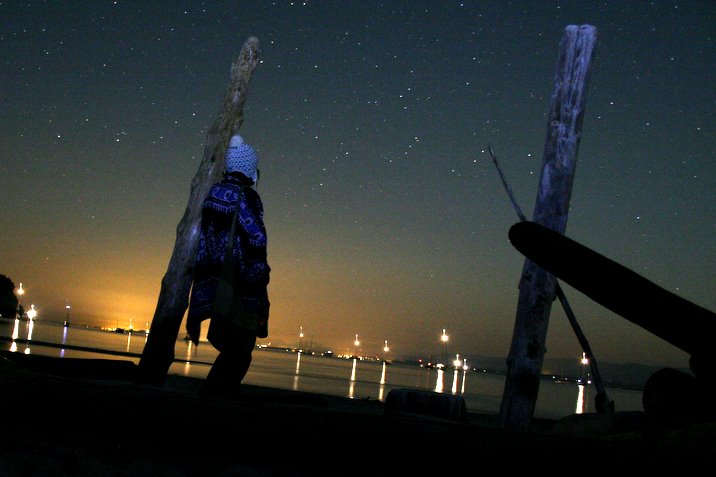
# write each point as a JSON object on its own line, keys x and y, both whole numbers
{"x": 386, "y": 217}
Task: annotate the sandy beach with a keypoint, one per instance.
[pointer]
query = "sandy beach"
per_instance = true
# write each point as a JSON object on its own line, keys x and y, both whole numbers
{"x": 85, "y": 417}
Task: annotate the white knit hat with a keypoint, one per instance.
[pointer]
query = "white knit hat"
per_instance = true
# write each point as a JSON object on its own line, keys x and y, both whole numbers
{"x": 240, "y": 157}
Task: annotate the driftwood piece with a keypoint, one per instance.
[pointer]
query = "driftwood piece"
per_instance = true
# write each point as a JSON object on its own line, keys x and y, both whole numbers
{"x": 602, "y": 402}
{"x": 158, "y": 353}
{"x": 537, "y": 287}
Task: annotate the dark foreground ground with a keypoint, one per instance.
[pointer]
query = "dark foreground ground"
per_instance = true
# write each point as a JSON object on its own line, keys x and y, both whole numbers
{"x": 87, "y": 418}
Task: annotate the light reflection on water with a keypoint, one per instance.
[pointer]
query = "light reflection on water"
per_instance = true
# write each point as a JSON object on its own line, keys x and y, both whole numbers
{"x": 439, "y": 382}
{"x": 581, "y": 399}
{"x": 381, "y": 389}
{"x": 64, "y": 341}
{"x": 353, "y": 378}
{"x": 298, "y": 372}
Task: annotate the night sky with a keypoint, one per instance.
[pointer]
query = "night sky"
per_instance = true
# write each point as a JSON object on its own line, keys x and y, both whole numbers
{"x": 386, "y": 217}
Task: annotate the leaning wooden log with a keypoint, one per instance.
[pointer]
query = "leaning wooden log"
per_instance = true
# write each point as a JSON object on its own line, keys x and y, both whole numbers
{"x": 537, "y": 287}
{"x": 670, "y": 396}
{"x": 158, "y": 353}
{"x": 674, "y": 319}
{"x": 602, "y": 402}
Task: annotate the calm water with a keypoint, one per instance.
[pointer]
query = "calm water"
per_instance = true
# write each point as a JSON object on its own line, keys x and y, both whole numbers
{"x": 303, "y": 372}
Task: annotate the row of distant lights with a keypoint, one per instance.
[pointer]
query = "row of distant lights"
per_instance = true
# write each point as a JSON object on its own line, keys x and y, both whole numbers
{"x": 32, "y": 314}
{"x": 443, "y": 338}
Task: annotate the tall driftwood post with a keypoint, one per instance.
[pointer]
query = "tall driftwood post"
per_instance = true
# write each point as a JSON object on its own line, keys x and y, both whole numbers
{"x": 537, "y": 287}
{"x": 173, "y": 301}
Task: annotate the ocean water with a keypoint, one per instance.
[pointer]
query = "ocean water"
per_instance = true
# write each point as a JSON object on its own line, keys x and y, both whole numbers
{"x": 286, "y": 369}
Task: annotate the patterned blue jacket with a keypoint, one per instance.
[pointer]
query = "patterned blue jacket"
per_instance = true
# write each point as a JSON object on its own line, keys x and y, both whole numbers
{"x": 251, "y": 268}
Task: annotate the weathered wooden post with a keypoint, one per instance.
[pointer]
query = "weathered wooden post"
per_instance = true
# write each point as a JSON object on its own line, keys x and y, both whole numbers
{"x": 537, "y": 287}
{"x": 173, "y": 301}
{"x": 602, "y": 401}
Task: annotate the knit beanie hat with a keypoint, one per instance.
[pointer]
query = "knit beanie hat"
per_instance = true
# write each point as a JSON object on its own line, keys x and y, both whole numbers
{"x": 240, "y": 157}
